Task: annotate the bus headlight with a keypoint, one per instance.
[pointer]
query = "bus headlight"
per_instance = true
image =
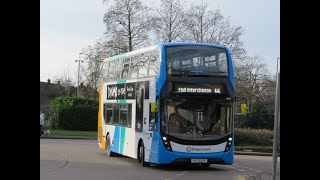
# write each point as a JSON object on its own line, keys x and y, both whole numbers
{"x": 229, "y": 143}
{"x": 166, "y": 143}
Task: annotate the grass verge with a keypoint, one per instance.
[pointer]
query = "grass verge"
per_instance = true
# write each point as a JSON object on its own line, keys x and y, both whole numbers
{"x": 61, "y": 132}
{"x": 266, "y": 149}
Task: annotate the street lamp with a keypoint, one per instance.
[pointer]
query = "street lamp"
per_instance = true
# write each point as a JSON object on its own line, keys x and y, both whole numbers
{"x": 80, "y": 61}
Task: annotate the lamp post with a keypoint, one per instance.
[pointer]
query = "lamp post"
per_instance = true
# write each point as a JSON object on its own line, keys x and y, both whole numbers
{"x": 80, "y": 61}
{"x": 276, "y": 124}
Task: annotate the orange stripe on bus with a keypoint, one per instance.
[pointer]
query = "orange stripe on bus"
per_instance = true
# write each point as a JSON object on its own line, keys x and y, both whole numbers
{"x": 102, "y": 140}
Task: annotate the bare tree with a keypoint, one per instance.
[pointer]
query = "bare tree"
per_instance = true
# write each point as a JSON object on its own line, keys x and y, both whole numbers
{"x": 251, "y": 78}
{"x": 167, "y": 22}
{"x": 268, "y": 92}
{"x": 116, "y": 45}
{"x": 93, "y": 57}
{"x": 210, "y": 26}
{"x": 67, "y": 85}
{"x": 128, "y": 22}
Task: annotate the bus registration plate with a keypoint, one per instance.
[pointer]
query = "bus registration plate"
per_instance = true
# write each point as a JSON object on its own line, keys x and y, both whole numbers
{"x": 199, "y": 160}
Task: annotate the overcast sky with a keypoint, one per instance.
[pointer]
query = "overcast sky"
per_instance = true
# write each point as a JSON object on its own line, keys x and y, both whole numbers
{"x": 67, "y": 26}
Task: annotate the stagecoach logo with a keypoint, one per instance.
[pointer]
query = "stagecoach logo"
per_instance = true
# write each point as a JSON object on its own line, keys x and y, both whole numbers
{"x": 198, "y": 149}
{"x": 188, "y": 148}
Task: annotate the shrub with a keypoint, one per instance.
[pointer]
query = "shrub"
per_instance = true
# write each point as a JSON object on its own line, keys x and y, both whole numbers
{"x": 261, "y": 118}
{"x": 75, "y": 113}
{"x": 81, "y": 118}
{"x": 253, "y": 137}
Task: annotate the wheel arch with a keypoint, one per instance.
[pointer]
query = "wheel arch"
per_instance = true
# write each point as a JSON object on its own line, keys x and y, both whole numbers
{"x": 139, "y": 144}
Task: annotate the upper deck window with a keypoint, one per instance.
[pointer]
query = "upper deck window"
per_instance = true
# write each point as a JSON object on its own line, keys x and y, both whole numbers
{"x": 139, "y": 65}
{"x": 196, "y": 60}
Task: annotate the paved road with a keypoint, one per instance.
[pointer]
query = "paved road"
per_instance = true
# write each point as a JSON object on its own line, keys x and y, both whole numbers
{"x": 84, "y": 160}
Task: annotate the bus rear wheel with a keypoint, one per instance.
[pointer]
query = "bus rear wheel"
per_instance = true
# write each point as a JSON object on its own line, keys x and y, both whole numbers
{"x": 109, "y": 153}
{"x": 141, "y": 156}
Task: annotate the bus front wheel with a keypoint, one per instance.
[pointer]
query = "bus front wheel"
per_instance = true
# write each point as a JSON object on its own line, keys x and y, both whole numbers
{"x": 109, "y": 153}
{"x": 141, "y": 156}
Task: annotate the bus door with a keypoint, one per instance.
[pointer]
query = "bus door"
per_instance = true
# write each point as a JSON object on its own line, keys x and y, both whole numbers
{"x": 147, "y": 131}
{"x": 142, "y": 114}
{"x": 151, "y": 135}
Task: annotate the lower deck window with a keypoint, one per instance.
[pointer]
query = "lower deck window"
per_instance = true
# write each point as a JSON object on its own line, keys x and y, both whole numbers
{"x": 118, "y": 114}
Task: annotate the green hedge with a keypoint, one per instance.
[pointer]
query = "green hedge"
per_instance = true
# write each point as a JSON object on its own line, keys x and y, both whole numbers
{"x": 253, "y": 137}
{"x": 75, "y": 113}
{"x": 81, "y": 118}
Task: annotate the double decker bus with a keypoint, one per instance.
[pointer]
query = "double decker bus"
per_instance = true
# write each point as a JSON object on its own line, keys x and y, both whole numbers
{"x": 169, "y": 103}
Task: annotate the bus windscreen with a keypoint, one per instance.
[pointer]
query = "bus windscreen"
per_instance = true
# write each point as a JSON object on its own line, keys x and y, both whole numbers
{"x": 196, "y": 60}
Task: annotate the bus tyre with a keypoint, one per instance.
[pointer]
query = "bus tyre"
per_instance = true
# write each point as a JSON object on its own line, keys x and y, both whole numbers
{"x": 141, "y": 156}
{"x": 109, "y": 153}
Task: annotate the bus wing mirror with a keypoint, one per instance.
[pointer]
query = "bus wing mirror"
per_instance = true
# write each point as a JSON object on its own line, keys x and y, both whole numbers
{"x": 154, "y": 107}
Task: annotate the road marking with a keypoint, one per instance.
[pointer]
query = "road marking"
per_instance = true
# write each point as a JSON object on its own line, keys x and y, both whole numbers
{"x": 176, "y": 175}
{"x": 180, "y": 174}
{"x": 167, "y": 178}
{"x": 241, "y": 177}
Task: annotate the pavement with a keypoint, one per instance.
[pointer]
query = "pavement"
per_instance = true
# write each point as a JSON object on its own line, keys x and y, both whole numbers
{"x": 68, "y": 137}
{"x": 95, "y": 138}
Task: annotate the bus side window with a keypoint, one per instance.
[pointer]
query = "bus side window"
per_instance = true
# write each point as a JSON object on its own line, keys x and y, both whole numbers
{"x": 125, "y": 69}
{"x": 129, "y": 122}
{"x": 119, "y": 68}
{"x": 144, "y": 65}
{"x": 153, "y": 118}
{"x": 125, "y": 115}
{"x": 109, "y": 113}
{"x": 134, "y": 67}
{"x": 116, "y": 113}
{"x": 154, "y": 66}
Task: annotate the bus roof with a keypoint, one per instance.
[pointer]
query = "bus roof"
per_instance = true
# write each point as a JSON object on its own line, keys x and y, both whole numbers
{"x": 150, "y": 48}
{"x": 193, "y": 44}
{"x": 138, "y": 51}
